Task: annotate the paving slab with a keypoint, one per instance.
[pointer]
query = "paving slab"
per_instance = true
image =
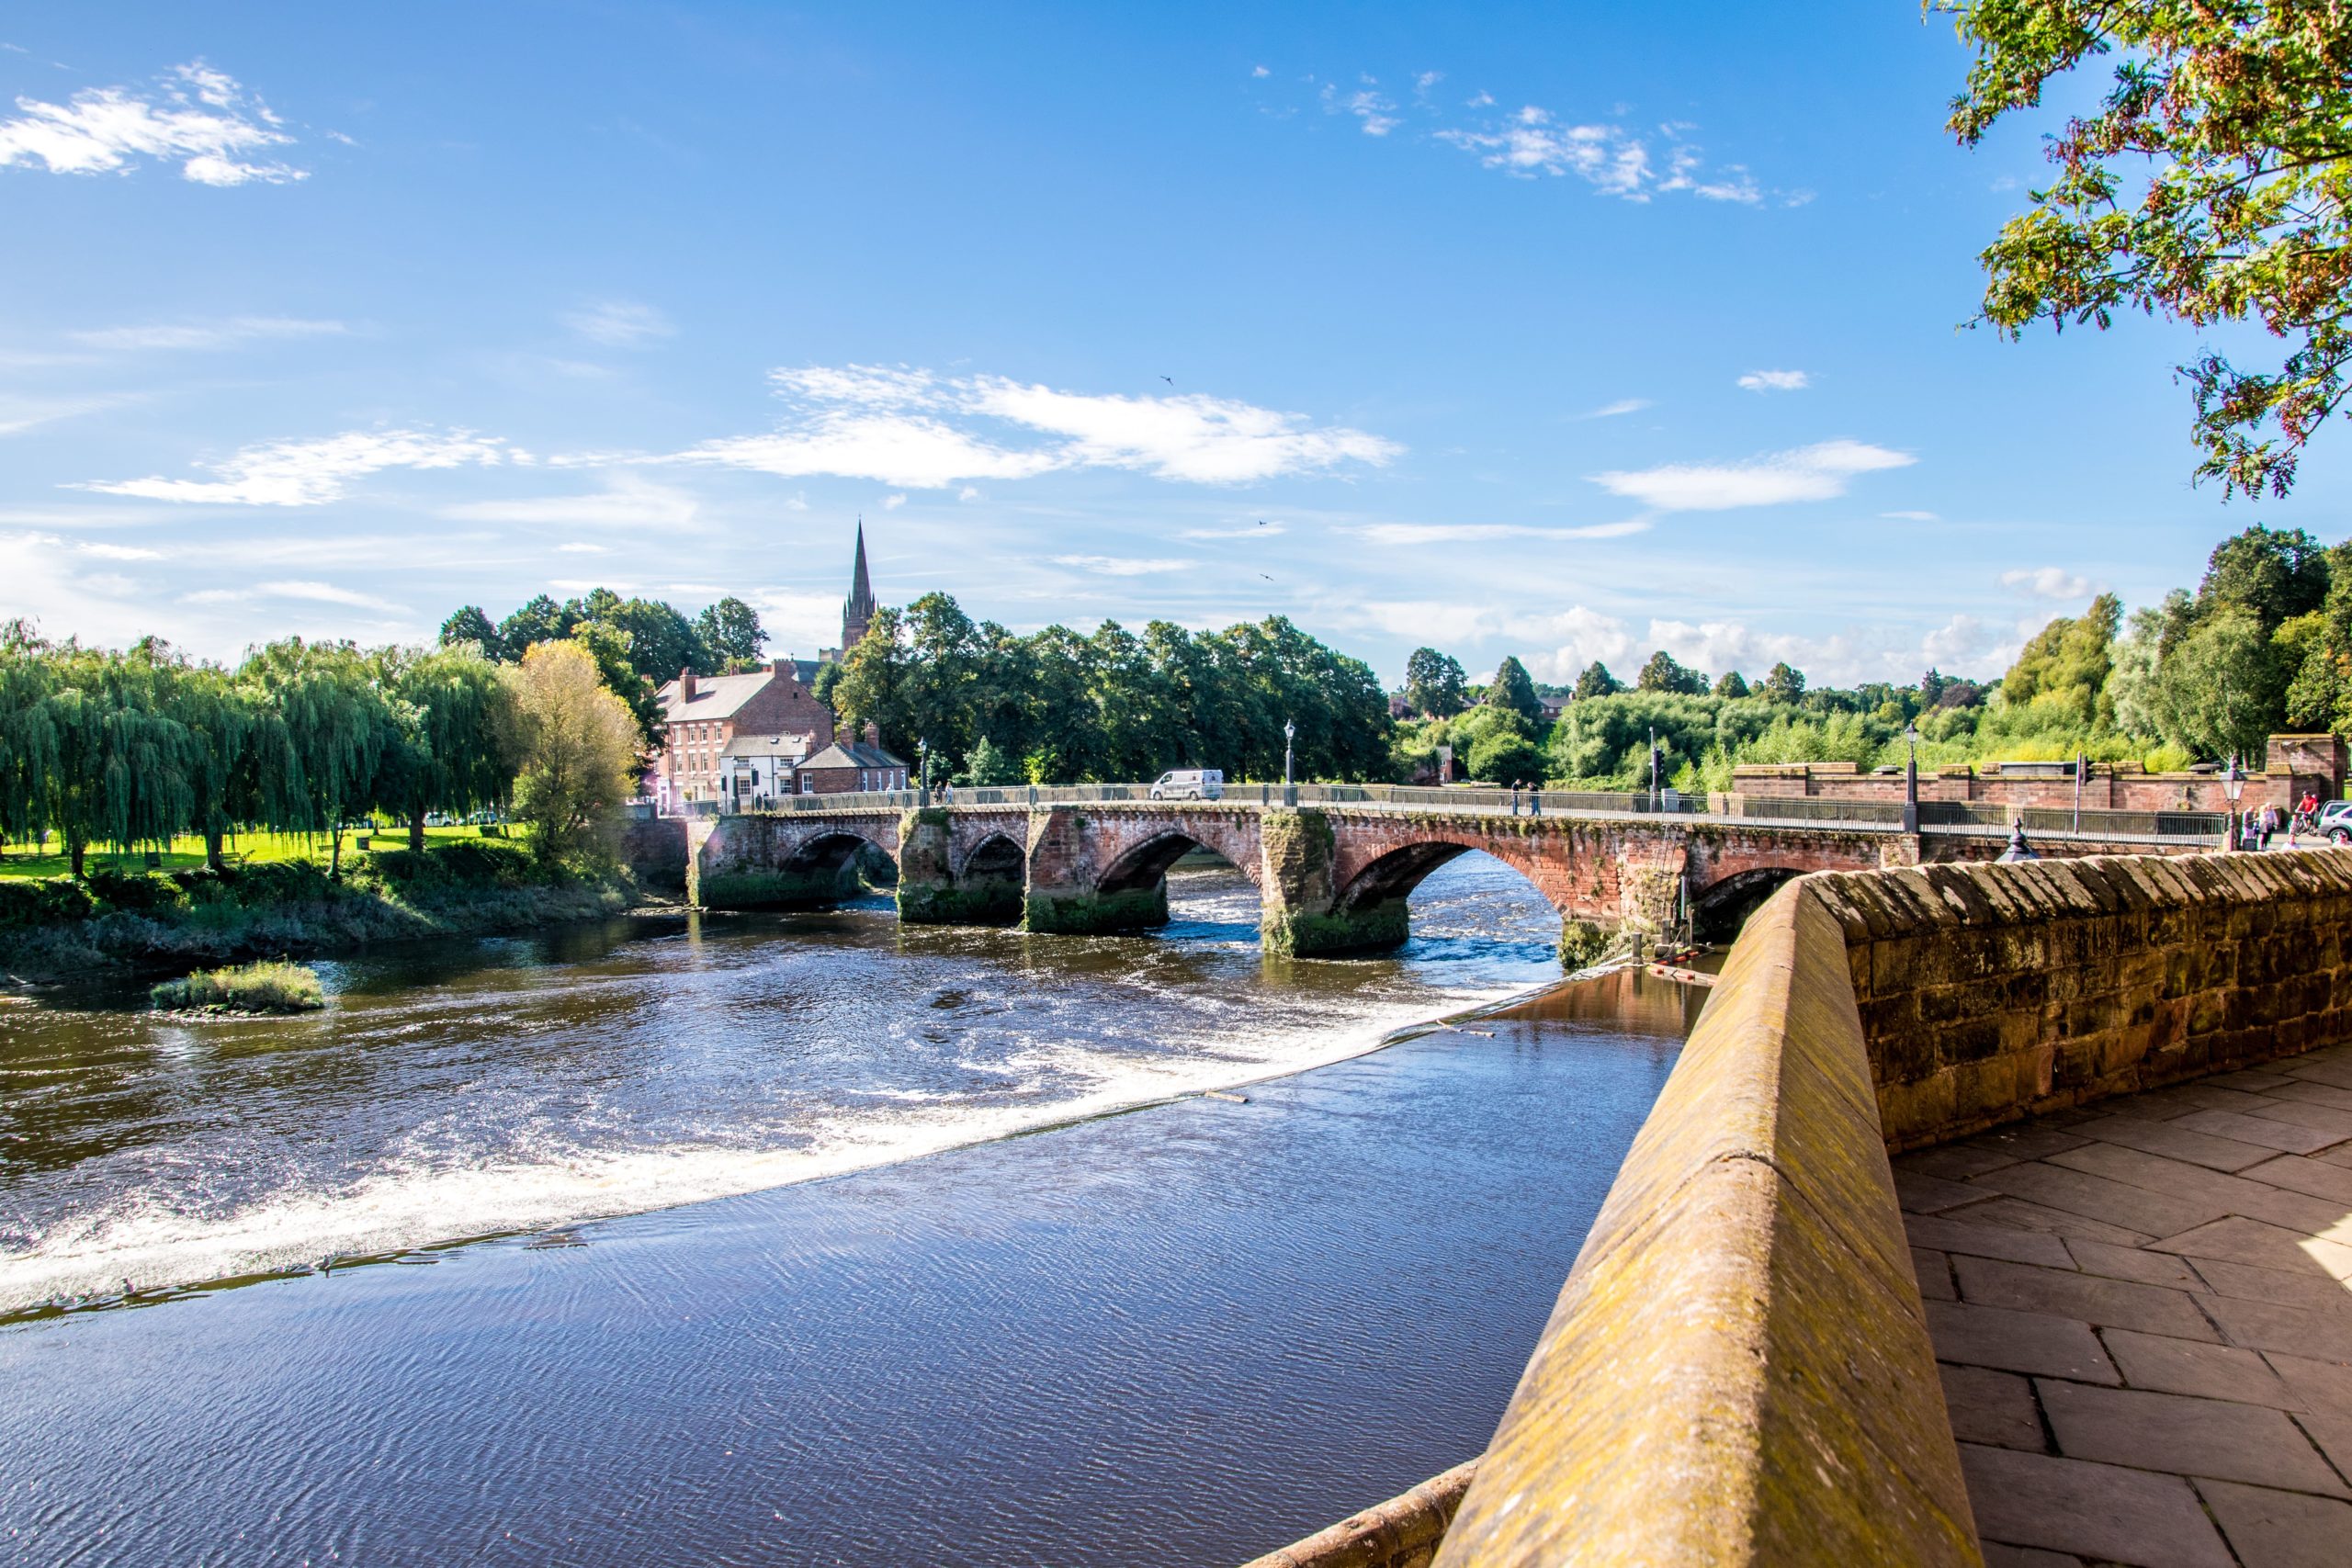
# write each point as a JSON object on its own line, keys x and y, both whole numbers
{"x": 2226, "y": 1194}
{"x": 1958, "y": 1162}
{"x": 2018, "y": 1215}
{"x": 2246, "y": 1129}
{"x": 1947, "y": 1235}
{"x": 2237, "y": 1239}
{"x": 2096, "y": 1197}
{"x": 2088, "y": 1298}
{"x": 2135, "y": 1263}
{"x": 2019, "y": 1342}
{"x": 2175, "y": 1142}
{"x": 2280, "y": 1529}
{"x": 2310, "y": 1093}
{"x": 2182, "y": 1436}
{"x": 2335, "y": 1073}
{"x": 2333, "y": 1432}
{"x": 2266, "y": 1325}
{"x": 1922, "y": 1194}
{"x": 2028, "y": 1139}
{"x": 2318, "y": 1118}
{"x": 1999, "y": 1556}
{"x": 1933, "y": 1272}
{"x": 2298, "y": 1173}
{"x": 1993, "y": 1407}
{"x": 2321, "y": 1385}
{"x": 2207, "y": 1371}
{"x": 2254, "y": 1080}
{"x": 2100, "y": 1511}
{"x": 2304, "y": 1288}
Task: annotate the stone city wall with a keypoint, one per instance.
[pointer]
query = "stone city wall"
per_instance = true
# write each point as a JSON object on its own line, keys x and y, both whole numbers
{"x": 1993, "y": 992}
{"x": 2293, "y": 764}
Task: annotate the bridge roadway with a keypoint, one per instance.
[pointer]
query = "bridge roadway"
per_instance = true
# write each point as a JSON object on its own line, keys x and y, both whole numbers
{"x": 1333, "y": 874}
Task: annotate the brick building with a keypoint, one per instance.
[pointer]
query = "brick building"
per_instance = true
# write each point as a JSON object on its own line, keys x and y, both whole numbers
{"x": 707, "y": 714}
{"x": 849, "y": 765}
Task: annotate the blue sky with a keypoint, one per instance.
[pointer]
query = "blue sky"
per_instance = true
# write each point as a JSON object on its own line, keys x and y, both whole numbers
{"x": 1562, "y": 331}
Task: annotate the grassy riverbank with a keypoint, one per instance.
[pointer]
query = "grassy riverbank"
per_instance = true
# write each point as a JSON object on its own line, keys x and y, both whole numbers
{"x": 54, "y": 926}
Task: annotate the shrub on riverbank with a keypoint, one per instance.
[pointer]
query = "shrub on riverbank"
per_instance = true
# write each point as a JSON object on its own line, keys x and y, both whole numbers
{"x": 55, "y": 925}
{"x": 250, "y": 988}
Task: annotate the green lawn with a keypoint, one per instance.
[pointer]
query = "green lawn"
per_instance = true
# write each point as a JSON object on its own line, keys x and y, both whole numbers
{"x": 17, "y": 859}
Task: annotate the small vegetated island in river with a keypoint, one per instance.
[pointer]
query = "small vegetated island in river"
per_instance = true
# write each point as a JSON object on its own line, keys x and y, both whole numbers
{"x": 279, "y": 987}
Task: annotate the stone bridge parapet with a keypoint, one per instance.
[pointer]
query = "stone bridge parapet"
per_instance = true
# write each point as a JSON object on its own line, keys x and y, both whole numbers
{"x": 1331, "y": 879}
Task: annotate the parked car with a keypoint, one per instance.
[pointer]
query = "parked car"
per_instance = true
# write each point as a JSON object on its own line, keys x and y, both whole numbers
{"x": 2335, "y": 820}
{"x": 1189, "y": 784}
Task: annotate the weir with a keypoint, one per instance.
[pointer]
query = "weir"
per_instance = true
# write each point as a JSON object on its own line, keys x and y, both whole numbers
{"x": 1334, "y": 878}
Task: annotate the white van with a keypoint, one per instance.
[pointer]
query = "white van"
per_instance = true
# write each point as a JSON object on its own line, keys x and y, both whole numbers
{"x": 1189, "y": 784}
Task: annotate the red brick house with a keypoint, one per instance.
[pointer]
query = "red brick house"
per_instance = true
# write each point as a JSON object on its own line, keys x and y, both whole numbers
{"x": 848, "y": 765}
{"x": 706, "y": 714}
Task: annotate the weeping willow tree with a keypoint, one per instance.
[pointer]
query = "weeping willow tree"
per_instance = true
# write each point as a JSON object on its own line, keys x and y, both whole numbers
{"x": 450, "y": 749}
{"x": 119, "y": 771}
{"x": 228, "y": 725}
{"x": 324, "y": 753}
{"x": 28, "y": 732}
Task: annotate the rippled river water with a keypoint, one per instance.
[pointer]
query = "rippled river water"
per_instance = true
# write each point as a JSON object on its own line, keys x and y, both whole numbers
{"x": 1182, "y": 1335}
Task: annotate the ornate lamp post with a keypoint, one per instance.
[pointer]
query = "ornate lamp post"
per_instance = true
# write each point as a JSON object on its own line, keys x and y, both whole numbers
{"x": 922, "y": 770}
{"x": 1911, "y": 777}
{"x": 2233, "y": 785}
{"x": 1290, "y": 790}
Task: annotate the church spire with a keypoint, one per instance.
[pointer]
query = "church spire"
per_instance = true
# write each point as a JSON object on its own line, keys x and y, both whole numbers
{"x": 857, "y": 610}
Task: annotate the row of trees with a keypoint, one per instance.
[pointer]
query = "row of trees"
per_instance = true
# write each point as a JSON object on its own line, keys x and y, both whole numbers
{"x": 2262, "y": 645}
{"x": 134, "y": 749}
{"x": 1055, "y": 705}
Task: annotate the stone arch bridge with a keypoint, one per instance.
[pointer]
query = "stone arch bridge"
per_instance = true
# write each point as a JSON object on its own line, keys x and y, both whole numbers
{"x": 1331, "y": 879}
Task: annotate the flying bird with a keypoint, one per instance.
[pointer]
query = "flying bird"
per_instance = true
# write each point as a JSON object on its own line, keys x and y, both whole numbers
{"x": 1268, "y": 578}
{"x": 1169, "y": 380}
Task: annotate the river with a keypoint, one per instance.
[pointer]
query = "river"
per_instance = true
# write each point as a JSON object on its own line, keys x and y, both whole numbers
{"x": 585, "y": 1298}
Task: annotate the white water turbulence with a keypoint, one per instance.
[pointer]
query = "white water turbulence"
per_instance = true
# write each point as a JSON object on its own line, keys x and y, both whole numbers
{"x": 468, "y": 1089}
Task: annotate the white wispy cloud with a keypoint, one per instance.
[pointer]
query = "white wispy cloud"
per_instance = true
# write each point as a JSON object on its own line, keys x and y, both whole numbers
{"x": 892, "y": 502}
{"x": 208, "y": 335}
{"x": 1265, "y": 530}
{"x": 1259, "y": 71}
{"x": 626, "y": 501}
{"x": 620, "y": 323}
{"x": 577, "y": 548}
{"x": 1120, "y": 566}
{"x": 1620, "y": 407}
{"x": 18, "y": 414}
{"x": 1568, "y": 641}
{"x": 1775, "y": 380}
{"x": 1377, "y": 113}
{"x": 199, "y": 118}
{"x": 910, "y": 428}
{"x": 311, "y": 473}
{"x": 1911, "y": 516}
{"x": 1473, "y": 533}
{"x": 1532, "y": 142}
{"x": 306, "y": 592}
{"x": 2049, "y": 583}
{"x": 1819, "y": 472}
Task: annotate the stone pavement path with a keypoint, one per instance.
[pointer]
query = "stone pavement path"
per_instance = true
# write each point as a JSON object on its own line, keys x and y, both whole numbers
{"x": 2142, "y": 1310}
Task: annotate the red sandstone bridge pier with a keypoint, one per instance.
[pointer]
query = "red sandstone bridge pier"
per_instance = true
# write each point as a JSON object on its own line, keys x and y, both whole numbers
{"x": 1335, "y": 872}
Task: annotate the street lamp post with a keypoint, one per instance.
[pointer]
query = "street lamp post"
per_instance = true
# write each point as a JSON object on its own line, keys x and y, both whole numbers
{"x": 2082, "y": 764}
{"x": 2233, "y": 785}
{"x": 1911, "y": 777}
{"x": 1289, "y": 789}
{"x": 922, "y": 770}
{"x": 1654, "y": 767}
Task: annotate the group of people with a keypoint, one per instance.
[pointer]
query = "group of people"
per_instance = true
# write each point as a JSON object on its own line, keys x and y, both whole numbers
{"x": 2260, "y": 827}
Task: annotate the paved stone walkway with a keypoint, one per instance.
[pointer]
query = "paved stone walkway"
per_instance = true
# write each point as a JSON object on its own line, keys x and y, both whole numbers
{"x": 2143, "y": 1314}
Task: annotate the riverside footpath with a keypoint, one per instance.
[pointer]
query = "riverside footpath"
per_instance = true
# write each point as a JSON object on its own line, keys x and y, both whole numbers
{"x": 1991, "y": 1214}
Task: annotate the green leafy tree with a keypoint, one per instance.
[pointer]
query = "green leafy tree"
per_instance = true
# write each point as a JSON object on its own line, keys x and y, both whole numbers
{"x": 730, "y": 634}
{"x": 2218, "y": 693}
{"x": 1435, "y": 684}
{"x": 608, "y": 648}
{"x": 448, "y": 752}
{"x": 1664, "y": 673}
{"x": 1508, "y": 758}
{"x": 2064, "y": 668}
{"x": 987, "y": 765}
{"x": 469, "y": 624}
{"x": 1597, "y": 682}
{"x": 877, "y": 685}
{"x": 1783, "y": 684}
{"x": 1732, "y": 685}
{"x": 541, "y": 620}
{"x": 1514, "y": 691}
{"x": 334, "y": 723}
{"x": 2209, "y": 186}
{"x": 2272, "y": 576}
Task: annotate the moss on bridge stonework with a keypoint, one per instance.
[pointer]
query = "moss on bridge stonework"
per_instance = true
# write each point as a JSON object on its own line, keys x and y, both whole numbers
{"x": 976, "y": 904}
{"x": 1303, "y": 935}
{"x": 773, "y": 889}
{"x": 1096, "y": 914}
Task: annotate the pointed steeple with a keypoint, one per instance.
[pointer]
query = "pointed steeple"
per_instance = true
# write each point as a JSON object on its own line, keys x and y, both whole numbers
{"x": 857, "y": 610}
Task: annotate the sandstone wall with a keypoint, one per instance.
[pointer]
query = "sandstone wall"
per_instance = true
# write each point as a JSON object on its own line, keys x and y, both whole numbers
{"x": 1991, "y": 992}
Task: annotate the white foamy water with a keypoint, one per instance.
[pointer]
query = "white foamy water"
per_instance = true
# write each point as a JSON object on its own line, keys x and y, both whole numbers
{"x": 487, "y": 1087}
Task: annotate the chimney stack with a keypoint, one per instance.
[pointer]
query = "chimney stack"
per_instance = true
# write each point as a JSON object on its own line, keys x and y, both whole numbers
{"x": 873, "y": 734}
{"x": 686, "y": 684}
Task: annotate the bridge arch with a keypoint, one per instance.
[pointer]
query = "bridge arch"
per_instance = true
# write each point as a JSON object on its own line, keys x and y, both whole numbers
{"x": 810, "y": 871}
{"x": 1374, "y": 903}
{"x": 1719, "y": 910}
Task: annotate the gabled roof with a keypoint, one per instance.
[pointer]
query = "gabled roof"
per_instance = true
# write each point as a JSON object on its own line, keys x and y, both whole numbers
{"x": 718, "y": 696}
{"x": 768, "y": 746}
{"x": 852, "y": 754}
